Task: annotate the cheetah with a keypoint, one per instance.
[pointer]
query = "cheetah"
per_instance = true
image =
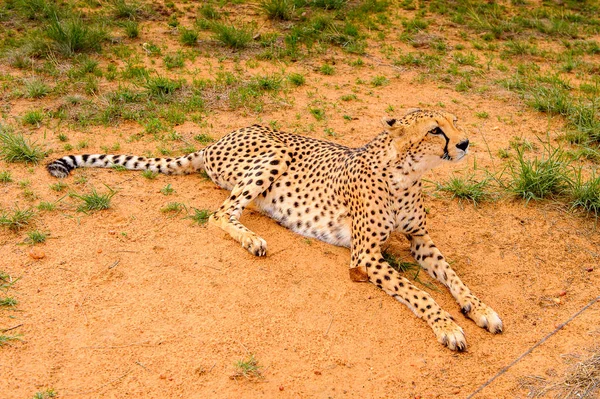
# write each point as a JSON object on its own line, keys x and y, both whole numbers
{"x": 350, "y": 197}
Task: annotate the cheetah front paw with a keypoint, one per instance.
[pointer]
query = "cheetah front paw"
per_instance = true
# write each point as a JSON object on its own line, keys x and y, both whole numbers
{"x": 482, "y": 315}
{"x": 254, "y": 244}
{"x": 450, "y": 334}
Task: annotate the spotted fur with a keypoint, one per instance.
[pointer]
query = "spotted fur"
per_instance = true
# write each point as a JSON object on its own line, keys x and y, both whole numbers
{"x": 352, "y": 197}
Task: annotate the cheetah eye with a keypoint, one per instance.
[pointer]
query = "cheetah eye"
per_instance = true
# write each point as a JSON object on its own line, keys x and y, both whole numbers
{"x": 436, "y": 131}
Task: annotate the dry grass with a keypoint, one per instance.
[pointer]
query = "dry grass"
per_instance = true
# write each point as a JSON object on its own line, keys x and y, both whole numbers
{"x": 581, "y": 381}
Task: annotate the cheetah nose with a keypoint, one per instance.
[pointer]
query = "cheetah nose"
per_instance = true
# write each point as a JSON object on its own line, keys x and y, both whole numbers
{"x": 463, "y": 145}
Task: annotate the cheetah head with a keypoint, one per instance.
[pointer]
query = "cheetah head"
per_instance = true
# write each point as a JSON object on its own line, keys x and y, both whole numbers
{"x": 428, "y": 137}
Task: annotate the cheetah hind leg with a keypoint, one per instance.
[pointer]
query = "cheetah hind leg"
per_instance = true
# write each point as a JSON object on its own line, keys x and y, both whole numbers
{"x": 264, "y": 172}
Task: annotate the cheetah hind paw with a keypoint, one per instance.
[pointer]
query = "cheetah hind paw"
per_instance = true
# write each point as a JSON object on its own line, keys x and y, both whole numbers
{"x": 254, "y": 244}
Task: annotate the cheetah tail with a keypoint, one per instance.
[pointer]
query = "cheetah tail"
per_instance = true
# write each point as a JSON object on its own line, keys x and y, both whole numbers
{"x": 186, "y": 164}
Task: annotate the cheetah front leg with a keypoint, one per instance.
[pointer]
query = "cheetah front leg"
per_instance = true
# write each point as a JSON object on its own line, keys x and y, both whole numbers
{"x": 366, "y": 258}
{"x": 433, "y": 262}
{"x": 263, "y": 172}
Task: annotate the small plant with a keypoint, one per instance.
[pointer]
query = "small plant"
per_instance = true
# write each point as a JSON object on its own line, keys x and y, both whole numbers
{"x": 267, "y": 82}
{"x": 162, "y": 87}
{"x": 465, "y": 59}
{"x": 248, "y": 369}
{"x": 126, "y": 9}
{"x": 132, "y": 29}
{"x": 16, "y": 219}
{"x": 174, "y": 60}
{"x": 73, "y": 35}
{"x": 278, "y": 9}
{"x": 15, "y": 148}
{"x": 58, "y": 187}
{"x": 296, "y": 79}
{"x": 204, "y": 139}
{"x": 6, "y": 281}
{"x": 209, "y": 12}
{"x": 94, "y": 201}
{"x": 36, "y": 237}
{"x": 200, "y": 216}
{"x": 33, "y": 117}
{"x": 523, "y": 144}
{"x": 318, "y": 113}
{"x": 379, "y": 81}
{"x": 167, "y": 190}
{"x": 8, "y": 301}
{"x": 4, "y": 339}
{"x": 327, "y": 69}
{"x": 503, "y": 153}
{"x": 415, "y": 25}
{"x": 36, "y": 88}
{"x": 188, "y": 37}
{"x": 173, "y": 207}
{"x": 585, "y": 194}
{"x": 46, "y": 206}
{"x": 5, "y": 177}
{"x": 149, "y": 174}
{"x": 63, "y": 137}
{"x": 467, "y": 188}
{"x": 482, "y": 115}
{"x": 232, "y": 36}
{"x": 539, "y": 178}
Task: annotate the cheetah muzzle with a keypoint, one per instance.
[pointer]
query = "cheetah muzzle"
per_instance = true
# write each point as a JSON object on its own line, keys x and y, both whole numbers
{"x": 352, "y": 197}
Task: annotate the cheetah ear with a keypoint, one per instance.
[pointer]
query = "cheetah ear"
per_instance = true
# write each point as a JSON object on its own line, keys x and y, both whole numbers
{"x": 389, "y": 124}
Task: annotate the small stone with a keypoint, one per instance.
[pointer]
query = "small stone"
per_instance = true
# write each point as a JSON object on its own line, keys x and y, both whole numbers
{"x": 590, "y": 269}
{"x": 112, "y": 232}
{"x": 317, "y": 372}
{"x": 557, "y": 301}
{"x": 99, "y": 251}
{"x": 281, "y": 388}
{"x": 562, "y": 293}
{"x": 36, "y": 253}
{"x": 162, "y": 377}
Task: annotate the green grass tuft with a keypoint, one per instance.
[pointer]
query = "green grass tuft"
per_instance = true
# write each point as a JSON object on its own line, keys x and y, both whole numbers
{"x": 188, "y": 37}
{"x": 539, "y": 178}
{"x": 94, "y": 201}
{"x": 71, "y": 35}
{"x": 297, "y": 79}
{"x": 466, "y": 188}
{"x": 204, "y": 138}
{"x": 5, "y": 339}
{"x": 248, "y": 369}
{"x": 8, "y": 302}
{"x": 5, "y": 177}
{"x": 16, "y": 219}
{"x": 233, "y": 36}
{"x": 167, "y": 190}
{"x": 150, "y": 175}
{"x": 174, "y": 207}
{"x": 33, "y": 117}
{"x": 585, "y": 194}
{"x": 36, "y": 88}
{"x": 162, "y": 87}
{"x": 282, "y": 10}
{"x": 46, "y": 206}
{"x": 16, "y": 148}
{"x": 36, "y": 237}
{"x": 200, "y": 216}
